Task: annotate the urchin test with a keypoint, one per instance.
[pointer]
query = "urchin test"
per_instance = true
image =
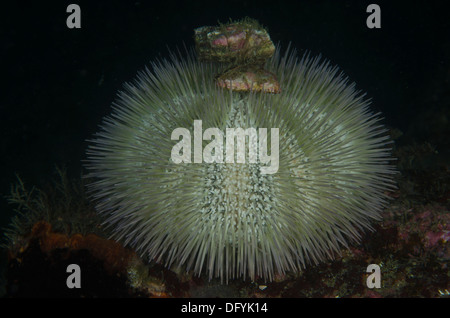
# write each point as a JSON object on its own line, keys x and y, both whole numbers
{"x": 256, "y": 139}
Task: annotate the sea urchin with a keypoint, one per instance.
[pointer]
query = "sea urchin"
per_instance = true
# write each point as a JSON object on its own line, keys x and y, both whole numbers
{"x": 229, "y": 219}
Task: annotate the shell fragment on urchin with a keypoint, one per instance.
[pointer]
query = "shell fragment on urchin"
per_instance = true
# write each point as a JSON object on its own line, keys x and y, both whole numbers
{"x": 229, "y": 220}
{"x": 241, "y": 42}
{"x": 246, "y": 78}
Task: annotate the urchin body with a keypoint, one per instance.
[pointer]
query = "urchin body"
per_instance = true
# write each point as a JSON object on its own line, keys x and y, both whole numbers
{"x": 228, "y": 219}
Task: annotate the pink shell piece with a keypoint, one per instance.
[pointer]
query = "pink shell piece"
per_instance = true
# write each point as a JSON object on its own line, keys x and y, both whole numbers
{"x": 249, "y": 78}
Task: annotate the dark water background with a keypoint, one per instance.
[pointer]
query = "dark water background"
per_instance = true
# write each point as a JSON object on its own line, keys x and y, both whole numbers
{"x": 58, "y": 83}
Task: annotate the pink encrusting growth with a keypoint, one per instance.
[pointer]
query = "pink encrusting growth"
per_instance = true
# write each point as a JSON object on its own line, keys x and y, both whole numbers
{"x": 431, "y": 226}
{"x": 234, "y": 42}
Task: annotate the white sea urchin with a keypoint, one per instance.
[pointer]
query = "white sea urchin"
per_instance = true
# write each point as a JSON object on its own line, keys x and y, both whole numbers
{"x": 229, "y": 220}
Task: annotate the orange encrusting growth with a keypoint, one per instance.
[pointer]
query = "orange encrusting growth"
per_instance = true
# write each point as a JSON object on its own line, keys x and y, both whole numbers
{"x": 116, "y": 258}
